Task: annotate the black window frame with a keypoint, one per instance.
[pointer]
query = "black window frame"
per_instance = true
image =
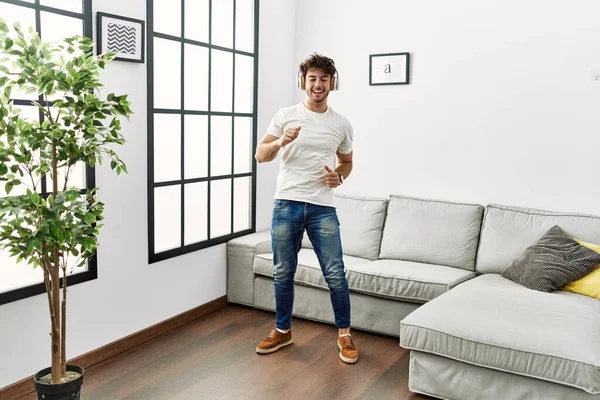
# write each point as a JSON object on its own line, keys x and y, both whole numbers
{"x": 183, "y": 248}
{"x": 90, "y": 177}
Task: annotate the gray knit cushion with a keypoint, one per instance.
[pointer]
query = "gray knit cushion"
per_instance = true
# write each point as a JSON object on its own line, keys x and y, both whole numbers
{"x": 555, "y": 260}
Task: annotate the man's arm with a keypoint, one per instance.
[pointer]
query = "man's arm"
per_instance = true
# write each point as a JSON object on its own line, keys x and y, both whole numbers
{"x": 269, "y": 146}
{"x": 267, "y": 149}
{"x": 344, "y": 164}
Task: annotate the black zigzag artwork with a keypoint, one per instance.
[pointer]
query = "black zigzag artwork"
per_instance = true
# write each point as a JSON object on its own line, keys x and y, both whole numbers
{"x": 121, "y": 38}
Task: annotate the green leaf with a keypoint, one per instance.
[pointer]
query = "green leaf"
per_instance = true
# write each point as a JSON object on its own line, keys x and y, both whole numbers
{"x": 6, "y": 94}
{"x": 8, "y": 43}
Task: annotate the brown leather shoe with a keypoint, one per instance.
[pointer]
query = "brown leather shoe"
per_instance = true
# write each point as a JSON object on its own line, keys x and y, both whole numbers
{"x": 274, "y": 342}
{"x": 348, "y": 350}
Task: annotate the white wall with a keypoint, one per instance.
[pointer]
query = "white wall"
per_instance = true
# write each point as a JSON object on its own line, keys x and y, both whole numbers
{"x": 501, "y": 107}
{"x": 130, "y": 295}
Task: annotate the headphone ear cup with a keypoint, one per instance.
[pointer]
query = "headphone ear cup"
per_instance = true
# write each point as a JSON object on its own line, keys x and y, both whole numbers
{"x": 300, "y": 81}
{"x": 335, "y": 82}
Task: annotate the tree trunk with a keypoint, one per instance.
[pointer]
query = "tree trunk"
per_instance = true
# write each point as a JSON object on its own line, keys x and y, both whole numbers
{"x": 56, "y": 369}
{"x": 55, "y": 309}
{"x": 63, "y": 327}
{"x": 54, "y": 346}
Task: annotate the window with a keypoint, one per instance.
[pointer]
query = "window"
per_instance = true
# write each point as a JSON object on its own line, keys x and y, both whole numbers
{"x": 202, "y": 75}
{"x": 53, "y": 20}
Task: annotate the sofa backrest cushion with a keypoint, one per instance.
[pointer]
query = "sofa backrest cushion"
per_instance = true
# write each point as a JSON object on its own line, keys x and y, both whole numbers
{"x": 432, "y": 231}
{"x": 507, "y": 231}
{"x": 361, "y": 224}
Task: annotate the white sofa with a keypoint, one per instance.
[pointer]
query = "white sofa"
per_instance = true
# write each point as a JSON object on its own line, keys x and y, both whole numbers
{"x": 428, "y": 271}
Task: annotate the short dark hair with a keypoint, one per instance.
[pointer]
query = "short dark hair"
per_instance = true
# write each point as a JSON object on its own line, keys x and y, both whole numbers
{"x": 318, "y": 61}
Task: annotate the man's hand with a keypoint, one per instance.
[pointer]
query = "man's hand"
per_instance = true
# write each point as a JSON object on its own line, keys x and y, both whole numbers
{"x": 332, "y": 179}
{"x": 288, "y": 136}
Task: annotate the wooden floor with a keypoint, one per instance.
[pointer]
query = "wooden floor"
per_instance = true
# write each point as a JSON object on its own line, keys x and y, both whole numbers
{"x": 214, "y": 358}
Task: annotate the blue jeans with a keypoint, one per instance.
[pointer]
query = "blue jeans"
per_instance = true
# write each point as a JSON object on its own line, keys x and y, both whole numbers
{"x": 290, "y": 220}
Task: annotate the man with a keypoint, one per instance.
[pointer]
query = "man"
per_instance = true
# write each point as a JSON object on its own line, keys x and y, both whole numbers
{"x": 310, "y": 135}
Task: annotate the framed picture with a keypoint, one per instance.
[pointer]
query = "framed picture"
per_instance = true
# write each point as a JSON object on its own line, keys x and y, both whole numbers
{"x": 389, "y": 69}
{"x": 123, "y": 35}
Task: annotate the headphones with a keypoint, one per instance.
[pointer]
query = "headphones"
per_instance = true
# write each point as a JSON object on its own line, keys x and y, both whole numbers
{"x": 301, "y": 81}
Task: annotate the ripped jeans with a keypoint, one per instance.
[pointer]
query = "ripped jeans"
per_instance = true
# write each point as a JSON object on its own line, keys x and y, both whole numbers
{"x": 290, "y": 219}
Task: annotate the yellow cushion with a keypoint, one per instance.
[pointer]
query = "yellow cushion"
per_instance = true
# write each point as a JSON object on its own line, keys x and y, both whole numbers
{"x": 589, "y": 285}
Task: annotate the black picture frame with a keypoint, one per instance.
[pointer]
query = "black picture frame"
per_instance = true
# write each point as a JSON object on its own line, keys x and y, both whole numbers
{"x": 123, "y": 35}
{"x": 389, "y": 69}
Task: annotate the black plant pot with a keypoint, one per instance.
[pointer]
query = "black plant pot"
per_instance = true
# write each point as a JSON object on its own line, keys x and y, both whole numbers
{"x": 60, "y": 391}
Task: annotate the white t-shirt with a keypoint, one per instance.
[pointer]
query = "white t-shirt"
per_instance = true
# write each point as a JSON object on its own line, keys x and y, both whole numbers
{"x": 302, "y": 171}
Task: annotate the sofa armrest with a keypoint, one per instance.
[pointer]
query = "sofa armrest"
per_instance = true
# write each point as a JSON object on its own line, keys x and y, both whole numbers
{"x": 240, "y": 260}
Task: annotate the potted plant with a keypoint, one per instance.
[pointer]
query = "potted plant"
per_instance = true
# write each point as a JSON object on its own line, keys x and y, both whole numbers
{"x": 56, "y": 231}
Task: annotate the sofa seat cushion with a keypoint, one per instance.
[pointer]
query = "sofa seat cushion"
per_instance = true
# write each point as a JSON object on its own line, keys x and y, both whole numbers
{"x": 405, "y": 280}
{"x": 493, "y": 322}
{"x": 396, "y": 279}
{"x": 308, "y": 271}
